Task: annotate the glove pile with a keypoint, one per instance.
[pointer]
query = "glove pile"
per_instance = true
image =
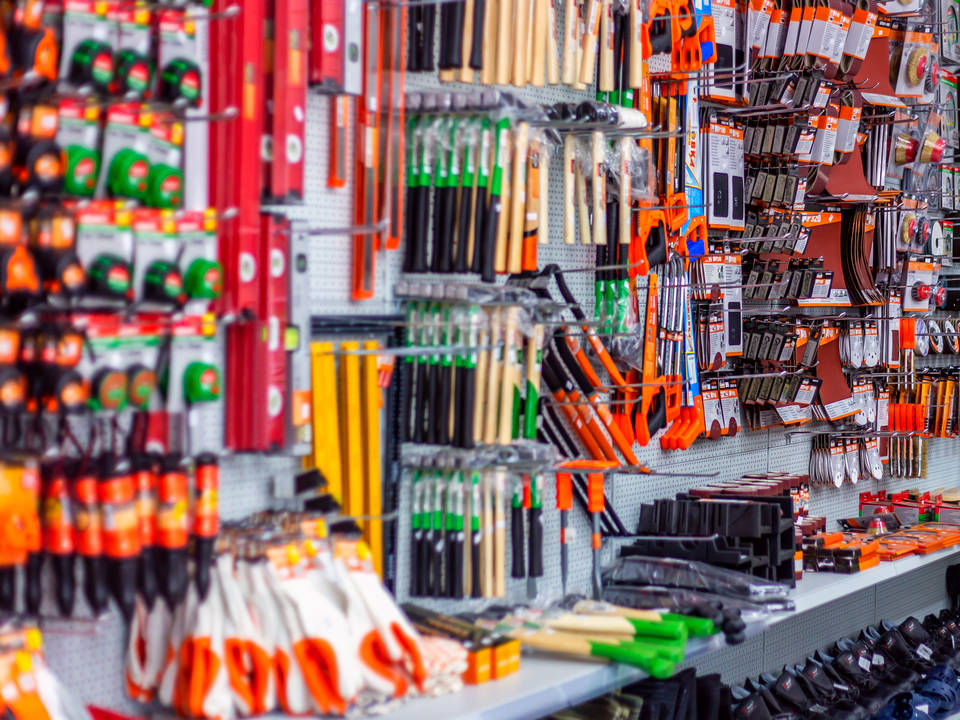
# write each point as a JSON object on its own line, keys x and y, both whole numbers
{"x": 301, "y": 625}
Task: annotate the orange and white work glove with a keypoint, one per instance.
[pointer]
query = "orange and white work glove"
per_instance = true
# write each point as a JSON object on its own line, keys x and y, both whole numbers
{"x": 61, "y": 704}
{"x": 146, "y": 649}
{"x": 380, "y": 677}
{"x": 401, "y": 641}
{"x": 292, "y": 695}
{"x": 321, "y": 642}
{"x": 177, "y": 624}
{"x": 248, "y": 662}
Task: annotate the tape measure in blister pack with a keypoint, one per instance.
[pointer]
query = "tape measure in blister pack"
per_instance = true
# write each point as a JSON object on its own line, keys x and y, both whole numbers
{"x": 132, "y": 73}
{"x": 141, "y": 382}
{"x": 108, "y": 389}
{"x": 109, "y": 275}
{"x": 43, "y": 167}
{"x": 83, "y": 166}
{"x": 92, "y": 64}
{"x": 36, "y": 51}
{"x": 180, "y": 82}
{"x": 129, "y": 170}
{"x": 164, "y": 186}
{"x": 201, "y": 382}
{"x": 163, "y": 282}
{"x": 13, "y": 389}
{"x": 18, "y": 271}
{"x": 204, "y": 279}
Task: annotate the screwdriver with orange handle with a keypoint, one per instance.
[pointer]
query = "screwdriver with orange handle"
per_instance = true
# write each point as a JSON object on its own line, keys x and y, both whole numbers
{"x": 595, "y": 499}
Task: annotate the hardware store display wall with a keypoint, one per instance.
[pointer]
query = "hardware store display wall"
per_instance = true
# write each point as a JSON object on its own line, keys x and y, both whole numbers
{"x": 88, "y": 656}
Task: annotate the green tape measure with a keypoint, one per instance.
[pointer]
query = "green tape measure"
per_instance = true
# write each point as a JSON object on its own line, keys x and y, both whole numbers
{"x": 164, "y": 186}
{"x": 83, "y": 166}
{"x": 109, "y": 275}
{"x": 128, "y": 175}
{"x": 92, "y": 64}
{"x": 180, "y": 82}
{"x": 204, "y": 279}
{"x": 201, "y": 382}
{"x": 133, "y": 73}
{"x": 163, "y": 282}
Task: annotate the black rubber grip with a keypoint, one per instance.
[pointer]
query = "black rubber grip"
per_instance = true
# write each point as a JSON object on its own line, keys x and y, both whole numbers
{"x": 468, "y": 378}
{"x": 421, "y": 416}
{"x": 429, "y": 29}
{"x": 414, "y": 38}
{"x": 457, "y": 12}
{"x": 437, "y": 226}
{"x": 415, "y": 562}
{"x": 433, "y": 421}
{"x": 422, "y": 229}
{"x": 476, "y": 48}
{"x": 411, "y": 228}
{"x": 444, "y": 235}
{"x": 479, "y": 227}
{"x": 456, "y": 580}
{"x": 459, "y": 408}
{"x": 408, "y": 371}
{"x": 461, "y": 261}
{"x": 517, "y": 565}
{"x": 439, "y": 553}
{"x": 475, "y": 541}
{"x": 487, "y": 273}
{"x": 423, "y": 586}
{"x": 446, "y": 32}
{"x": 441, "y": 406}
{"x": 535, "y": 567}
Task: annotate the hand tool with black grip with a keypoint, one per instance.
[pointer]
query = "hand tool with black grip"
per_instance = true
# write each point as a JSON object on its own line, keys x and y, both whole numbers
{"x": 535, "y": 534}
{"x": 517, "y": 563}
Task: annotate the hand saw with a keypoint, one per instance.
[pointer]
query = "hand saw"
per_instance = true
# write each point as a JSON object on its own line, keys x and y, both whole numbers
{"x": 649, "y": 415}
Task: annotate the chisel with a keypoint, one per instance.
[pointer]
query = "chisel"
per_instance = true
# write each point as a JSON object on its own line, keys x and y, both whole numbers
{"x": 495, "y": 224}
{"x": 518, "y": 568}
{"x": 518, "y": 188}
{"x": 509, "y": 369}
{"x": 421, "y": 399}
{"x": 417, "y": 534}
{"x": 500, "y": 534}
{"x": 434, "y": 406}
{"x": 493, "y": 378}
{"x": 437, "y": 539}
{"x": 412, "y": 230}
{"x": 444, "y": 394}
{"x": 455, "y": 535}
{"x": 484, "y": 243}
{"x": 535, "y": 534}
{"x": 482, "y": 373}
{"x": 409, "y": 366}
{"x": 466, "y": 193}
{"x": 476, "y": 535}
{"x": 487, "y": 555}
{"x": 466, "y": 382}
{"x": 534, "y": 358}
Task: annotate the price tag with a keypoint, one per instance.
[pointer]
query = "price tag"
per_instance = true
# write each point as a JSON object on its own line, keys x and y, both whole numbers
{"x": 924, "y": 652}
{"x": 865, "y": 664}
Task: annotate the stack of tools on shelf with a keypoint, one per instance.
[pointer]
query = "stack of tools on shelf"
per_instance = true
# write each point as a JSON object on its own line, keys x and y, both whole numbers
{"x": 753, "y": 534}
{"x": 286, "y": 593}
{"x": 728, "y": 597}
{"x": 650, "y": 640}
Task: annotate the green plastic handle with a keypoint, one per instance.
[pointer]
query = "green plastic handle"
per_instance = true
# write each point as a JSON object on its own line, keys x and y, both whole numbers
{"x": 665, "y": 649}
{"x": 663, "y": 629}
{"x": 696, "y": 626}
{"x": 630, "y": 654}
